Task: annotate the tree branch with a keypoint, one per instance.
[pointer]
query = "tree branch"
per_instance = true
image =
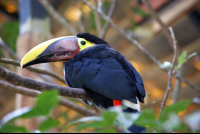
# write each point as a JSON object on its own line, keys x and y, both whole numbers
{"x": 34, "y": 69}
{"x": 170, "y": 73}
{"x": 17, "y": 80}
{"x": 57, "y": 16}
{"x": 110, "y": 13}
{"x": 33, "y": 93}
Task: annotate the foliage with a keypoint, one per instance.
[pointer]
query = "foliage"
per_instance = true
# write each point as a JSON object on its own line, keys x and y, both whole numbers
{"x": 182, "y": 60}
{"x": 10, "y": 33}
{"x": 169, "y": 120}
{"x": 43, "y": 107}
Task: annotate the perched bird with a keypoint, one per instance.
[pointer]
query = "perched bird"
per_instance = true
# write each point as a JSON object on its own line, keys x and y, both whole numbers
{"x": 91, "y": 64}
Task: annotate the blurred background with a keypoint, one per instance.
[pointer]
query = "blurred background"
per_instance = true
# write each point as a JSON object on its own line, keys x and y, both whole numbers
{"x": 25, "y": 23}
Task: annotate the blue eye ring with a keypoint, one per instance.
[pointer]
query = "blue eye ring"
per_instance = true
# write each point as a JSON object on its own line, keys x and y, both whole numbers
{"x": 83, "y": 42}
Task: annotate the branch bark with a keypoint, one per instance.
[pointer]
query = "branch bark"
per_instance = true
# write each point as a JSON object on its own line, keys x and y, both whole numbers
{"x": 34, "y": 69}
{"x": 170, "y": 73}
{"x": 17, "y": 80}
{"x": 33, "y": 93}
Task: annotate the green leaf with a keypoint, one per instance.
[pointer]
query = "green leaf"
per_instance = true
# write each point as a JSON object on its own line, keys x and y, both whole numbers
{"x": 174, "y": 109}
{"x": 47, "y": 124}
{"x": 182, "y": 57}
{"x": 44, "y": 104}
{"x": 84, "y": 125}
{"x": 10, "y": 129}
{"x": 176, "y": 67}
{"x": 109, "y": 118}
{"x": 4, "y": 2}
{"x": 10, "y": 32}
{"x": 147, "y": 118}
{"x": 133, "y": 24}
{"x": 34, "y": 112}
{"x": 191, "y": 55}
{"x": 108, "y": 130}
{"x": 197, "y": 131}
{"x": 93, "y": 125}
{"x": 181, "y": 127}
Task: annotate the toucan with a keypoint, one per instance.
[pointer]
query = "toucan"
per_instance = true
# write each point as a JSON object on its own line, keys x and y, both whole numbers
{"x": 90, "y": 63}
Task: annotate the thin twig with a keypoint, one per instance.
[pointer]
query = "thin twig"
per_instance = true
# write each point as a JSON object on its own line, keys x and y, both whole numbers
{"x": 106, "y": 25}
{"x": 135, "y": 42}
{"x": 123, "y": 33}
{"x": 3, "y": 45}
{"x": 97, "y": 19}
{"x": 15, "y": 56}
{"x": 170, "y": 72}
{"x": 166, "y": 32}
{"x": 57, "y": 16}
{"x": 177, "y": 86}
{"x": 99, "y": 5}
{"x": 34, "y": 69}
{"x": 17, "y": 80}
{"x": 162, "y": 25}
{"x": 98, "y": 110}
{"x": 80, "y": 23}
{"x": 33, "y": 93}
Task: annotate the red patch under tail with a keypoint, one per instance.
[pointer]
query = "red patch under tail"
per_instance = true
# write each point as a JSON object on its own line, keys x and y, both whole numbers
{"x": 117, "y": 103}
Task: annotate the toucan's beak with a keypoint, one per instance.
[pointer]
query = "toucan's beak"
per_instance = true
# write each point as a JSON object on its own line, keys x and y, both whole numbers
{"x": 59, "y": 49}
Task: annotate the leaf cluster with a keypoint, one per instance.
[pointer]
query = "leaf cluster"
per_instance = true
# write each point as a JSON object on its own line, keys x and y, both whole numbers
{"x": 182, "y": 60}
{"x": 43, "y": 106}
{"x": 169, "y": 120}
{"x": 108, "y": 121}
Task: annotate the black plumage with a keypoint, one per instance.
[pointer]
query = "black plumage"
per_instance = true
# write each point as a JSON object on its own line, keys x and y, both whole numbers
{"x": 104, "y": 73}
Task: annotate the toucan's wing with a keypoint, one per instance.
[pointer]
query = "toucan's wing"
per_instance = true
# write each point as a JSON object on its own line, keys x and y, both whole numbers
{"x": 132, "y": 72}
{"x": 104, "y": 76}
{"x": 105, "y": 71}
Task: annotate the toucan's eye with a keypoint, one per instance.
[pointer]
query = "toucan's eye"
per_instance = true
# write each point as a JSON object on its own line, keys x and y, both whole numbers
{"x": 83, "y": 42}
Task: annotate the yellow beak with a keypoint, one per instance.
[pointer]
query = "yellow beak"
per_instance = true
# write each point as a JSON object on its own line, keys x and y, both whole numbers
{"x": 58, "y": 49}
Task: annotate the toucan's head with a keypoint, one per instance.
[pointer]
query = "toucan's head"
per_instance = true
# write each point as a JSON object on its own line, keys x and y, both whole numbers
{"x": 60, "y": 49}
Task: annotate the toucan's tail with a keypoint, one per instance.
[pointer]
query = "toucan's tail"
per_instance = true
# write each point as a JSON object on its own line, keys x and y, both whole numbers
{"x": 134, "y": 128}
